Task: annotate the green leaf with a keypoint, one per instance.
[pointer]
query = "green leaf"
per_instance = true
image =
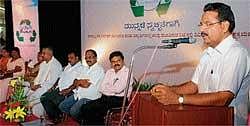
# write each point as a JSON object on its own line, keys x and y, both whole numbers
{"x": 144, "y": 86}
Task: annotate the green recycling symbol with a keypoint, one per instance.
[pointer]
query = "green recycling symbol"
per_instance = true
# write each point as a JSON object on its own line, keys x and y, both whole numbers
{"x": 25, "y": 28}
{"x": 138, "y": 8}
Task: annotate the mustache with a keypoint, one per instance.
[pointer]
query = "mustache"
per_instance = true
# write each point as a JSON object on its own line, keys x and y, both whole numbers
{"x": 117, "y": 65}
{"x": 203, "y": 34}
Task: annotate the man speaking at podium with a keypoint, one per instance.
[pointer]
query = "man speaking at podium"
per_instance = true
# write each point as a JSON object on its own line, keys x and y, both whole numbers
{"x": 222, "y": 76}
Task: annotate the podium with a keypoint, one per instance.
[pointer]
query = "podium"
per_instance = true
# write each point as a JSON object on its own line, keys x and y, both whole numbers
{"x": 146, "y": 110}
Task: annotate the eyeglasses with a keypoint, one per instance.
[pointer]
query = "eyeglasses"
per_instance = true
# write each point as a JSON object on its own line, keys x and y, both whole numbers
{"x": 208, "y": 24}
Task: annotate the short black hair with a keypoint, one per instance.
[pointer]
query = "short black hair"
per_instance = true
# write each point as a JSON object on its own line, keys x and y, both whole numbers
{"x": 224, "y": 13}
{"x": 50, "y": 48}
{"x": 93, "y": 51}
{"x": 116, "y": 53}
{"x": 16, "y": 49}
{"x": 76, "y": 53}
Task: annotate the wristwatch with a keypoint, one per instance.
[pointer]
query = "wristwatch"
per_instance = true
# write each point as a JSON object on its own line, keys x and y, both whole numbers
{"x": 181, "y": 99}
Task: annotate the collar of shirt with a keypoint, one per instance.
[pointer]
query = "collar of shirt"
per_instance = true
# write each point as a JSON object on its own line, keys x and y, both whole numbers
{"x": 92, "y": 67}
{"x": 222, "y": 48}
{"x": 122, "y": 69}
{"x": 51, "y": 60}
{"x": 69, "y": 66}
{"x": 225, "y": 44}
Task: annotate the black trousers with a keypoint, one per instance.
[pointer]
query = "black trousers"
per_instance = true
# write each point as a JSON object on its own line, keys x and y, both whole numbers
{"x": 50, "y": 101}
{"x": 93, "y": 112}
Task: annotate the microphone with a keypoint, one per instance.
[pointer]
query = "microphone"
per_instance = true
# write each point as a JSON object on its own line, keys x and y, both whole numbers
{"x": 115, "y": 80}
{"x": 180, "y": 41}
{"x": 158, "y": 47}
{"x": 168, "y": 46}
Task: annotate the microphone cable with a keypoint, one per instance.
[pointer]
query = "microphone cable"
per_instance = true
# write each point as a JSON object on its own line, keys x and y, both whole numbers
{"x": 137, "y": 89}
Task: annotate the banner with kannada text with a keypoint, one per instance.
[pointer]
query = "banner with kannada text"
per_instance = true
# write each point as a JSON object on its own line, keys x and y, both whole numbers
{"x": 26, "y": 27}
{"x": 109, "y": 25}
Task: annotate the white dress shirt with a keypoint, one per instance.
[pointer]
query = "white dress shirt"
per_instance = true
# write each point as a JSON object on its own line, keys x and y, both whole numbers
{"x": 47, "y": 76}
{"x": 95, "y": 74}
{"x": 114, "y": 84}
{"x": 226, "y": 68}
{"x": 69, "y": 74}
{"x": 48, "y": 73}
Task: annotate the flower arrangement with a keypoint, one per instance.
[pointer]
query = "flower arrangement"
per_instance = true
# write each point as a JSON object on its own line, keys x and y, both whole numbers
{"x": 15, "y": 109}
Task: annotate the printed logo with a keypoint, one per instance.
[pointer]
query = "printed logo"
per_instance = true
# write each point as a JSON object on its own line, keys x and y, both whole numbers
{"x": 138, "y": 7}
{"x": 25, "y": 32}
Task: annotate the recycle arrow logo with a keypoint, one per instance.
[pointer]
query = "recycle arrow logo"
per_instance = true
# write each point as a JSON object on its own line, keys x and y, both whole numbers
{"x": 138, "y": 7}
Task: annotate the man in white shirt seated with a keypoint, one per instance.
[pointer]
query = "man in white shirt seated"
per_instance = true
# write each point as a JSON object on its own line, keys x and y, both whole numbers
{"x": 112, "y": 89}
{"x": 54, "y": 96}
{"x": 86, "y": 87}
{"x": 50, "y": 70}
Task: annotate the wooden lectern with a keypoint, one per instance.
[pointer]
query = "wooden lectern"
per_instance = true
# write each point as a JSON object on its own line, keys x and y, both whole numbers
{"x": 146, "y": 110}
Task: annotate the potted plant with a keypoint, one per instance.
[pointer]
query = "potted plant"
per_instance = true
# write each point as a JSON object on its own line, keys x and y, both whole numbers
{"x": 15, "y": 109}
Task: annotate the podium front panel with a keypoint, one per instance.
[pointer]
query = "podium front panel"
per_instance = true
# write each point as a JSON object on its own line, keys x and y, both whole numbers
{"x": 147, "y": 110}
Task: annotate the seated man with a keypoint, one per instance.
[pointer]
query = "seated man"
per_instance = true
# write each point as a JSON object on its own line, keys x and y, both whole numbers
{"x": 222, "y": 76}
{"x": 49, "y": 71}
{"x": 112, "y": 89}
{"x": 52, "y": 98}
{"x": 86, "y": 87}
{"x": 32, "y": 71}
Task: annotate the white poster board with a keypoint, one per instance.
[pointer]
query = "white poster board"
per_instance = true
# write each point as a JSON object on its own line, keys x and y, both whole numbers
{"x": 109, "y": 25}
{"x": 25, "y": 28}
